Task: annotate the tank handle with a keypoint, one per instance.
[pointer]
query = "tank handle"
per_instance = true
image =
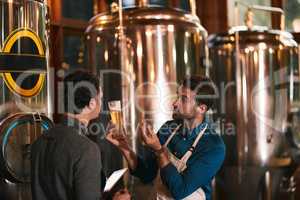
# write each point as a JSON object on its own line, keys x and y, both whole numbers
{"x": 249, "y": 13}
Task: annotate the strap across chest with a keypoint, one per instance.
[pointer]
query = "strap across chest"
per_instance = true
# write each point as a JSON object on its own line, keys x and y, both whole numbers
{"x": 188, "y": 154}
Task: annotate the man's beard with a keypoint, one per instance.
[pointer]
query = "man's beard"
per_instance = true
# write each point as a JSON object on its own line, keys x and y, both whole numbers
{"x": 178, "y": 116}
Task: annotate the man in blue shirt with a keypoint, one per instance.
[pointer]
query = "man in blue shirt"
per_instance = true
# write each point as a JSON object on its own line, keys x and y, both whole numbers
{"x": 189, "y": 131}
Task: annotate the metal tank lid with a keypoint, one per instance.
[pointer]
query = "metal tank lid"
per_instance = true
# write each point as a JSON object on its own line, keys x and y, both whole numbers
{"x": 255, "y": 35}
{"x": 143, "y": 16}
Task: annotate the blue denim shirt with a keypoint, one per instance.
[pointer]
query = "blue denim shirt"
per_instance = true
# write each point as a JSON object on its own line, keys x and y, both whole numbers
{"x": 202, "y": 166}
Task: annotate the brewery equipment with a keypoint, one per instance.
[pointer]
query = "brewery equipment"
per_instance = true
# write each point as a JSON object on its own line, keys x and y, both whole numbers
{"x": 256, "y": 70}
{"x": 140, "y": 53}
{"x": 294, "y": 129}
{"x": 23, "y": 91}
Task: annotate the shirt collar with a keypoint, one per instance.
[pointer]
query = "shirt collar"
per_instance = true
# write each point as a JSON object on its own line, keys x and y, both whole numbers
{"x": 193, "y": 133}
{"x": 74, "y": 123}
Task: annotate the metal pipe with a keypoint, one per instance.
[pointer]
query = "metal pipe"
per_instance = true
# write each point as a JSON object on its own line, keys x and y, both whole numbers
{"x": 95, "y": 7}
{"x": 121, "y": 28}
{"x": 268, "y": 186}
{"x": 193, "y": 7}
{"x": 237, "y": 13}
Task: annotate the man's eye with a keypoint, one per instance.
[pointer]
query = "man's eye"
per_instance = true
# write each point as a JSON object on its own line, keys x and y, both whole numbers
{"x": 184, "y": 99}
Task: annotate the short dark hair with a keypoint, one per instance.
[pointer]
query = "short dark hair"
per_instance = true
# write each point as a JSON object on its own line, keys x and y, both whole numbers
{"x": 203, "y": 87}
{"x": 86, "y": 86}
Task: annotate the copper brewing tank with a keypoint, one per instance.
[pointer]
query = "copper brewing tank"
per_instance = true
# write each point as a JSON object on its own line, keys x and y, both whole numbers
{"x": 140, "y": 59}
{"x": 23, "y": 91}
{"x": 257, "y": 72}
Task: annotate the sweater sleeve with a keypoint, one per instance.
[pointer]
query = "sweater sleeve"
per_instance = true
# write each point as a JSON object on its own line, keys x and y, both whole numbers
{"x": 87, "y": 174}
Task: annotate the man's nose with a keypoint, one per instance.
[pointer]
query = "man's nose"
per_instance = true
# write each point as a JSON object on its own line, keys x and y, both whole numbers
{"x": 175, "y": 103}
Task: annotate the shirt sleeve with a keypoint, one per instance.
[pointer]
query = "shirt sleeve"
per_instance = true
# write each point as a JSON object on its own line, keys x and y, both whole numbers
{"x": 147, "y": 167}
{"x": 87, "y": 174}
{"x": 198, "y": 174}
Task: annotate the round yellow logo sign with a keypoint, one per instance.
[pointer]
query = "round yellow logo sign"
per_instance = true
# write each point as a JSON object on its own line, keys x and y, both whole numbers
{"x": 27, "y": 64}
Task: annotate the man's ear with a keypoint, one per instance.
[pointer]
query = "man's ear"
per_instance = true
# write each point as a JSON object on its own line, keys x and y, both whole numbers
{"x": 202, "y": 108}
{"x": 92, "y": 104}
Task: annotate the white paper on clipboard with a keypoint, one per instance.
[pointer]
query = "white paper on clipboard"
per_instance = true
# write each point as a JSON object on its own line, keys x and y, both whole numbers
{"x": 114, "y": 178}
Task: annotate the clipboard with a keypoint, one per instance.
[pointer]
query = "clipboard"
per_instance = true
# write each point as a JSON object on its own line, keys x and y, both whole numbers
{"x": 113, "y": 179}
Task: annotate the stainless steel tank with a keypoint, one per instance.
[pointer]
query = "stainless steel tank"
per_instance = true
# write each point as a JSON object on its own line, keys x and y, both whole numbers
{"x": 294, "y": 130}
{"x": 23, "y": 90}
{"x": 140, "y": 59}
{"x": 256, "y": 70}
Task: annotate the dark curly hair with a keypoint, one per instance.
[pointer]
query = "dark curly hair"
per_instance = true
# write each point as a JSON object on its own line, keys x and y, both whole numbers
{"x": 203, "y": 87}
{"x": 79, "y": 88}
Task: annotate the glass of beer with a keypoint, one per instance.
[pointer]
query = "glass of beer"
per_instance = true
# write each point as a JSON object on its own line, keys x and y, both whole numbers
{"x": 115, "y": 111}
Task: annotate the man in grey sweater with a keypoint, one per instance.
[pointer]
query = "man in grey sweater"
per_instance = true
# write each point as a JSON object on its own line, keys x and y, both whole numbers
{"x": 66, "y": 165}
